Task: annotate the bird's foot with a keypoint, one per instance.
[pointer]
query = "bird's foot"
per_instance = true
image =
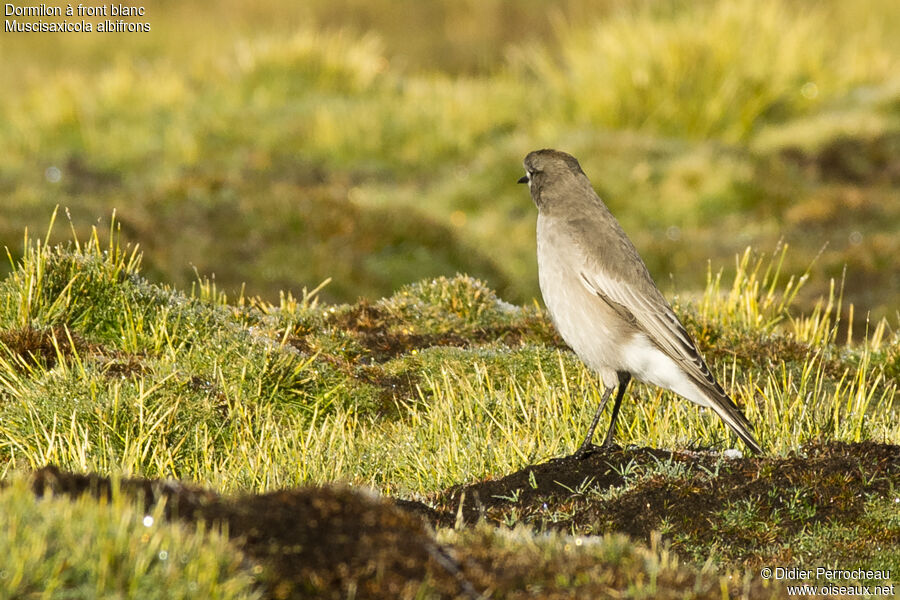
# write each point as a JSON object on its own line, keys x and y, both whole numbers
{"x": 585, "y": 450}
{"x": 610, "y": 445}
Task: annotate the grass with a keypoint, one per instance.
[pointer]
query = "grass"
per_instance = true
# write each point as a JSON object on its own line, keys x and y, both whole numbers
{"x": 750, "y": 65}
{"x": 441, "y": 384}
{"x": 105, "y": 371}
{"x": 58, "y": 548}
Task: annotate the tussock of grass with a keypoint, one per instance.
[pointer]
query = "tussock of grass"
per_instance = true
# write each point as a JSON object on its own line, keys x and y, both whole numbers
{"x": 60, "y": 548}
{"x": 646, "y": 68}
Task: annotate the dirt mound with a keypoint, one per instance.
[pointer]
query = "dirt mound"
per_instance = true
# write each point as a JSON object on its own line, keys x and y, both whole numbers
{"x": 333, "y": 542}
{"x": 314, "y": 542}
{"x": 640, "y": 490}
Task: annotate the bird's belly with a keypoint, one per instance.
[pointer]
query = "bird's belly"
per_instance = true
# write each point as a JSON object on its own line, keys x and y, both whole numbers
{"x": 586, "y": 324}
{"x": 649, "y": 364}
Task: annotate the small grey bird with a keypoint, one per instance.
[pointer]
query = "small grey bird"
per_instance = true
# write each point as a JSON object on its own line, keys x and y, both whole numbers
{"x": 604, "y": 302}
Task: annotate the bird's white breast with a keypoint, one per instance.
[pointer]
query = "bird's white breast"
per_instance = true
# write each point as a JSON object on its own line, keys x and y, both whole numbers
{"x": 581, "y": 318}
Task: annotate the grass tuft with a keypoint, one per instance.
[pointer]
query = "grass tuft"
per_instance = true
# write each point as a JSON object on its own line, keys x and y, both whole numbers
{"x": 60, "y": 548}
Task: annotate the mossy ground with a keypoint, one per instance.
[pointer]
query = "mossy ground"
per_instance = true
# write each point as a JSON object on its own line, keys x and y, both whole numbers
{"x": 818, "y": 506}
{"x": 460, "y": 410}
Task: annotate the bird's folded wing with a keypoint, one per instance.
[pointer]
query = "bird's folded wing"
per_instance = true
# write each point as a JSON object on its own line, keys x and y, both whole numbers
{"x": 649, "y": 312}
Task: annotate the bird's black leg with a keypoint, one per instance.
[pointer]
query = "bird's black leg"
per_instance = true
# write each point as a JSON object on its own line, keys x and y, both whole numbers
{"x": 586, "y": 445}
{"x": 624, "y": 378}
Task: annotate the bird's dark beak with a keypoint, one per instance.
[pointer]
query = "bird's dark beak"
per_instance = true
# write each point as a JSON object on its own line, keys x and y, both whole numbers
{"x": 523, "y": 179}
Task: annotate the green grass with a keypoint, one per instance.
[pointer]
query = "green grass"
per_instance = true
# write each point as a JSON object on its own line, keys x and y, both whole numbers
{"x": 59, "y": 548}
{"x": 102, "y": 370}
{"x": 441, "y": 384}
{"x": 709, "y": 70}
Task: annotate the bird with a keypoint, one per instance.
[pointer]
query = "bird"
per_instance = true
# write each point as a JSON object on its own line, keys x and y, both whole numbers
{"x": 604, "y": 303}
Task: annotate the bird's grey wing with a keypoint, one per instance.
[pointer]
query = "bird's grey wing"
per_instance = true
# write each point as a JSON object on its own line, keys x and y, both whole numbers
{"x": 618, "y": 277}
{"x": 655, "y": 318}
{"x": 609, "y": 266}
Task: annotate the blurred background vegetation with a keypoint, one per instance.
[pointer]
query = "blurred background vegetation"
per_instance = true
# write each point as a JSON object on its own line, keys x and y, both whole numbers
{"x": 378, "y": 142}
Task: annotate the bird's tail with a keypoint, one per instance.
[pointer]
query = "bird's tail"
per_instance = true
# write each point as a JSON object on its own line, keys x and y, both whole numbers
{"x": 733, "y": 417}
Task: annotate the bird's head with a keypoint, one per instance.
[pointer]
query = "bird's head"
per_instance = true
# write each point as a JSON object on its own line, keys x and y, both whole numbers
{"x": 549, "y": 171}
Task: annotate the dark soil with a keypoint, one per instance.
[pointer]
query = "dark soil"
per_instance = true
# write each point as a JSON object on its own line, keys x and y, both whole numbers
{"x": 824, "y": 483}
{"x": 42, "y": 346}
{"x": 315, "y": 542}
{"x": 46, "y": 346}
{"x": 333, "y": 542}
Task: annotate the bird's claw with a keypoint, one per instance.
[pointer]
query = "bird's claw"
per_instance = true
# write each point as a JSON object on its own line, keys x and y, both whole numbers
{"x": 584, "y": 451}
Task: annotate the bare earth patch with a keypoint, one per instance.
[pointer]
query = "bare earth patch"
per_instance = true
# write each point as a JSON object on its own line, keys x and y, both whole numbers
{"x": 333, "y": 542}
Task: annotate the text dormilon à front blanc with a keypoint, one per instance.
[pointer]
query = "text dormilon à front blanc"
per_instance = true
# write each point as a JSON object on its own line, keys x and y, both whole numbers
{"x": 115, "y": 25}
